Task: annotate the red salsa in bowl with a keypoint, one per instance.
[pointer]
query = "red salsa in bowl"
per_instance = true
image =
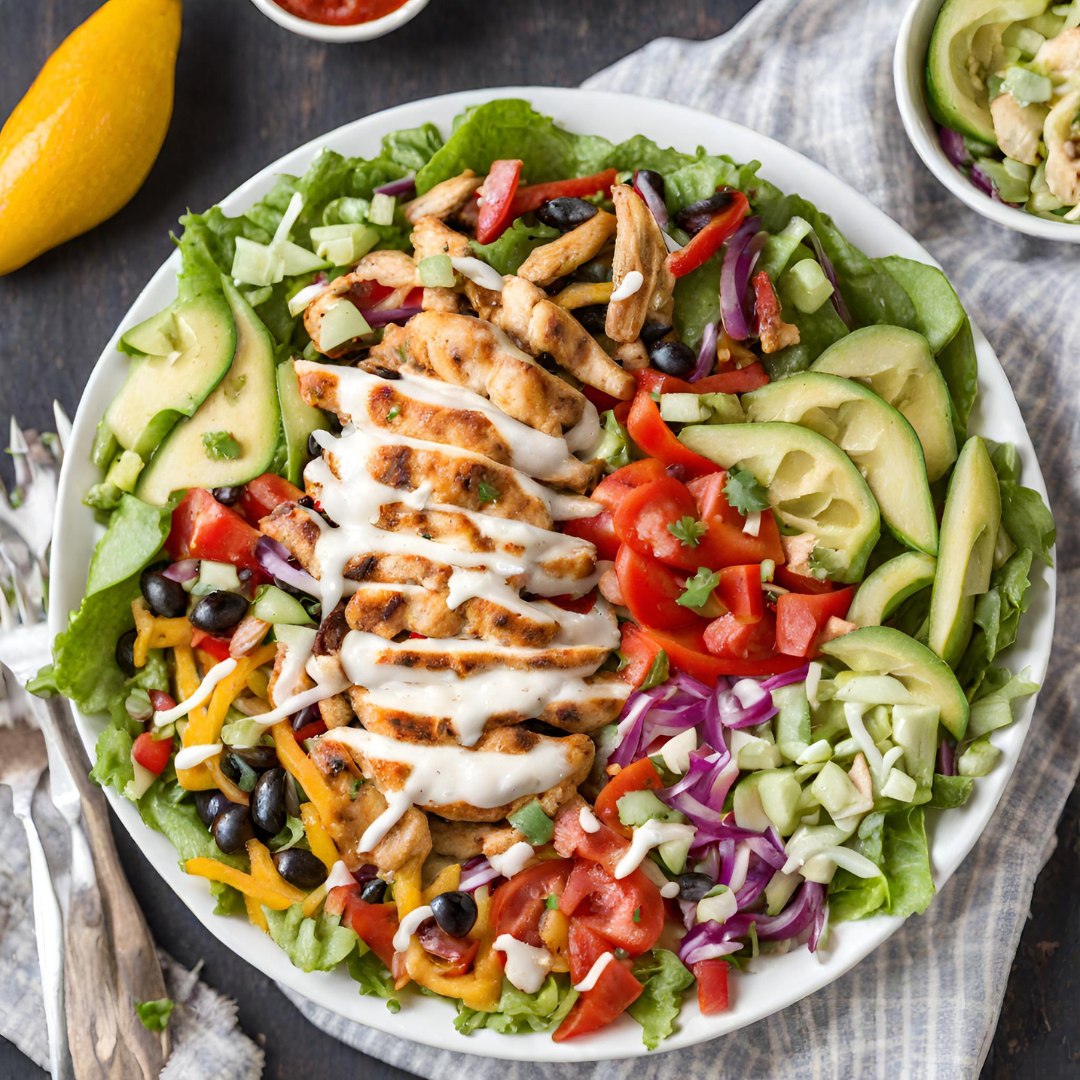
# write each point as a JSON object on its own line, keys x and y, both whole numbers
{"x": 340, "y": 12}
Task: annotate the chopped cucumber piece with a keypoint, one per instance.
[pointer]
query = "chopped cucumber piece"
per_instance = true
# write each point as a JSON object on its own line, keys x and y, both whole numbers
{"x": 816, "y": 752}
{"x": 873, "y": 690}
{"x": 1008, "y": 187}
{"x": 137, "y": 788}
{"x": 382, "y": 209}
{"x": 810, "y": 840}
{"x": 766, "y": 798}
{"x": 124, "y": 472}
{"x": 215, "y": 577}
{"x": 256, "y": 264}
{"x": 675, "y": 753}
{"x": 533, "y": 823}
{"x": 637, "y": 807}
{"x": 300, "y": 638}
{"x": 979, "y": 758}
{"x": 343, "y": 322}
{"x": 915, "y": 730}
{"x": 683, "y": 409}
{"x": 717, "y": 907}
{"x": 274, "y": 605}
{"x": 345, "y": 244}
{"x": 792, "y": 721}
{"x": 834, "y": 790}
{"x": 1026, "y": 86}
{"x": 673, "y": 854}
{"x": 754, "y": 751}
{"x": 436, "y": 271}
{"x": 899, "y": 786}
{"x": 780, "y": 890}
{"x": 807, "y": 286}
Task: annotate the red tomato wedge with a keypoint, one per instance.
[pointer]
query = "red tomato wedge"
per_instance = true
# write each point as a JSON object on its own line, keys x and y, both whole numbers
{"x": 310, "y": 731}
{"x": 535, "y": 195}
{"x": 712, "y": 985}
{"x": 730, "y": 638}
{"x": 598, "y": 530}
{"x": 374, "y": 924}
{"x": 640, "y": 776}
{"x": 202, "y": 528}
{"x": 151, "y": 753}
{"x": 628, "y": 912}
{"x": 263, "y": 494}
{"x": 498, "y": 191}
{"x": 800, "y": 618}
{"x": 651, "y": 591}
{"x": 801, "y": 583}
{"x": 518, "y": 904}
{"x": 640, "y": 651}
{"x": 603, "y": 846}
{"x": 645, "y": 515}
{"x": 733, "y": 381}
{"x": 584, "y": 948}
{"x": 708, "y": 241}
{"x": 687, "y": 652}
{"x": 614, "y": 488}
{"x": 740, "y": 592}
{"x": 655, "y": 438}
{"x": 615, "y": 991}
{"x": 725, "y": 543}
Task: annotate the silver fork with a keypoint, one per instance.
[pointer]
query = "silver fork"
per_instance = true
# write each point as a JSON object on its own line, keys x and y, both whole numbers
{"x": 23, "y": 758}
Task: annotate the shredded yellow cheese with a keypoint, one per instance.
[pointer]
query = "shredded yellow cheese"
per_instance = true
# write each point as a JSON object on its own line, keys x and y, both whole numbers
{"x": 582, "y": 294}
{"x": 264, "y": 893}
{"x": 154, "y": 632}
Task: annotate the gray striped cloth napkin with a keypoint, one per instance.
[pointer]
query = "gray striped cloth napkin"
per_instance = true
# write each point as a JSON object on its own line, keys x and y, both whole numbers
{"x": 816, "y": 75}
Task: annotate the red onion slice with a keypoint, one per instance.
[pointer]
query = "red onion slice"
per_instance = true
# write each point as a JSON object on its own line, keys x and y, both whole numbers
{"x": 405, "y": 186}
{"x": 706, "y": 354}
{"x": 735, "y": 276}
{"x": 274, "y": 559}
{"x": 383, "y": 317}
{"x": 827, "y": 266}
{"x": 184, "y": 570}
{"x": 651, "y": 198}
{"x": 952, "y": 143}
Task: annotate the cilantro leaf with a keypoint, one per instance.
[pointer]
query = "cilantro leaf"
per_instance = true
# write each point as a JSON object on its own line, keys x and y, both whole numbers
{"x": 743, "y": 492}
{"x": 487, "y": 493}
{"x": 699, "y": 588}
{"x": 658, "y": 673}
{"x": 394, "y": 413}
{"x": 155, "y": 1014}
{"x": 220, "y": 446}
{"x": 688, "y": 531}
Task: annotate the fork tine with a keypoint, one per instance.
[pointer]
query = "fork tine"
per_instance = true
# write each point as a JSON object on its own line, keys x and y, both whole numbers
{"x": 7, "y": 616}
{"x": 63, "y": 426}
{"x": 20, "y": 453}
{"x": 28, "y": 614}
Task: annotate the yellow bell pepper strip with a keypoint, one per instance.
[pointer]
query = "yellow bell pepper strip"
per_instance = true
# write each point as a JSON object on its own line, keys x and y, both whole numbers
{"x": 322, "y": 847}
{"x": 447, "y": 880}
{"x": 300, "y": 766}
{"x": 259, "y": 683}
{"x": 265, "y": 872}
{"x": 583, "y": 294}
{"x": 266, "y": 894}
{"x": 187, "y": 682}
{"x": 256, "y": 915}
{"x": 555, "y": 934}
{"x": 313, "y": 902}
{"x": 153, "y": 632}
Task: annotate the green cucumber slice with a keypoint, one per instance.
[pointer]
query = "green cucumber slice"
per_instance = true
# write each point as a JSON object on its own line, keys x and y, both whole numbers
{"x": 881, "y": 443}
{"x": 899, "y": 367}
{"x": 889, "y": 586}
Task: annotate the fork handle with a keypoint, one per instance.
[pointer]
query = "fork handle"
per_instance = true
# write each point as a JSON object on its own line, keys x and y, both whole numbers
{"x": 49, "y": 932}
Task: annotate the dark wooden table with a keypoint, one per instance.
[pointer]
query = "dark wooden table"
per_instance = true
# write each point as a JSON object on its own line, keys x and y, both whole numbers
{"x": 246, "y": 93}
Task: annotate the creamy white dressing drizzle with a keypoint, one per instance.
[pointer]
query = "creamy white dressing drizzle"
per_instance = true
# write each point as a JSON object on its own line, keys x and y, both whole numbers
{"x": 629, "y": 285}
{"x": 587, "y": 820}
{"x": 339, "y": 875}
{"x": 190, "y": 756}
{"x": 409, "y": 925}
{"x": 648, "y": 836}
{"x": 487, "y": 277}
{"x": 527, "y": 966}
{"x": 202, "y": 693}
{"x": 595, "y": 972}
{"x": 513, "y": 860}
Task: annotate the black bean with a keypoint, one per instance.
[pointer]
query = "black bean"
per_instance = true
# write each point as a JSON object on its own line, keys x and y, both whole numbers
{"x": 308, "y": 715}
{"x": 313, "y": 447}
{"x": 292, "y": 799}
{"x": 300, "y": 868}
{"x": 594, "y": 272}
{"x": 593, "y": 317}
{"x": 565, "y": 213}
{"x": 373, "y": 891}
{"x": 258, "y": 757}
{"x": 228, "y": 495}
{"x": 233, "y": 828}
{"x": 694, "y": 886}
{"x": 455, "y": 912}
{"x": 218, "y": 611}
{"x": 652, "y": 332}
{"x": 210, "y": 804}
{"x": 165, "y": 596}
{"x": 125, "y": 653}
{"x": 672, "y": 358}
{"x": 268, "y": 801}
{"x": 696, "y": 216}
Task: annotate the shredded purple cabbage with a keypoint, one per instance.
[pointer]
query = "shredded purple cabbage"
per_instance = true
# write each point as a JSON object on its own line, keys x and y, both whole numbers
{"x": 735, "y": 276}
{"x": 706, "y": 354}
{"x": 274, "y": 559}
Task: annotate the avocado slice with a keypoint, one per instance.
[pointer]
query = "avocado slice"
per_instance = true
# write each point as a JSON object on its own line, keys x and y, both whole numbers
{"x": 886, "y": 651}
{"x": 889, "y": 586}
{"x": 969, "y": 529}
{"x": 182, "y": 353}
{"x": 881, "y": 443}
{"x": 899, "y": 367}
{"x": 966, "y": 29}
{"x": 812, "y": 485}
{"x": 299, "y": 420}
{"x": 242, "y": 413}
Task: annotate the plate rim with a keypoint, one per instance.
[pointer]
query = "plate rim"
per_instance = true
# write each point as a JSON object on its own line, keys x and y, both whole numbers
{"x": 853, "y": 941}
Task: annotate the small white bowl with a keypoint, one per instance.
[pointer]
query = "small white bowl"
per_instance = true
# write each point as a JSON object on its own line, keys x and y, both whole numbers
{"x": 364, "y": 31}
{"x": 909, "y": 67}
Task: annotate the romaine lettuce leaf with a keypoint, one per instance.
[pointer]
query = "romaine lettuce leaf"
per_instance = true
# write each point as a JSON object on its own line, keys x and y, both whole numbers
{"x": 169, "y": 809}
{"x": 112, "y": 758}
{"x": 664, "y": 977}
{"x": 697, "y": 301}
{"x": 852, "y": 897}
{"x": 135, "y": 534}
{"x": 311, "y": 944}
{"x": 509, "y": 251}
{"x": 373, "y": 976}
{"x": 518, "y": 1013}
{"x": 412, "y": 148}
{"x": 906, "y": 862}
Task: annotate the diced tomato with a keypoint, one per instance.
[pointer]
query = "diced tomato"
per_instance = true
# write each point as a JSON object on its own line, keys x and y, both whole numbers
{"x": 310, "y": 731}
{"x": 641, "y": 652}
{"x": 628, "y": 911}
{"x": 264, "y": 493}
{"x": 708, "y": 241}
{"x": 598, "y": 530}
{"x": 415, "y": 298}
{"x": 496, "y": 209}
{"x": 613, "y": 489}
{"x": 605, "y": 846}
{"x": 151, "y": 753}
{"x": 459, "y": 951}
{"x": 725, "y": 543}
{"x": 602, "y": 401}
{"x": 651, "y": 591}
{"x": 730, "y": 638}
{"x": 740, "y": 592}
{"x": 655, "y": 438}
{"x": 202, "y": 528}
{"x": 687, "y": 652}
{"x": 644, "y": 516}
{"x": 640, "y": 776}
{"x": 535, "y": 195}
{"x": 374, "y": 924}
{"x": 739, "y": 381}
{"x": 800, "y": 618}
{"x": 211, "y": 644}
{"x": 584, "y": 947}
{"x": 615, "y": 991}
{"x": 366, "y": 294}
{"x": 518, "y": 904}
{"x": 712, "y": 985}
{"x": 801, "y": 583}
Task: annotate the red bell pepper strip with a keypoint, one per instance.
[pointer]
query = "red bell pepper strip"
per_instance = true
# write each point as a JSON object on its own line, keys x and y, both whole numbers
{"x": 712, "y": 985}
{"x": 740, "y": 592}
{"x": 655, "y": 438}
{"x": 708, "y": 241}
{"x": 736, "y": 381}
{"x": 496, "y": 210}
{"x": 800, "y": 618}
{"x": 640, "y": 652}
{"x": 535, "y": 195}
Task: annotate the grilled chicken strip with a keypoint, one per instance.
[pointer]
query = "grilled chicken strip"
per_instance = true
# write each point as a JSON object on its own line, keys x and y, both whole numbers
{"x": 354, "y": 810}
{"x": 430, "y": 236}
{"x": 465, "y": 839}
{"x": 639, "y": 245}
{"x": 469, "y": 352}
{"x": 540, "y": 325}
{"x": 573, "y": 249}
{"x": 443, "y": 199}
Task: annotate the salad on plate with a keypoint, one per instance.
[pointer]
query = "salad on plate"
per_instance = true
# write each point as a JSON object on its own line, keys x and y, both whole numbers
{"x": 1003, "y": 81}
{"x": 548, "y": 574}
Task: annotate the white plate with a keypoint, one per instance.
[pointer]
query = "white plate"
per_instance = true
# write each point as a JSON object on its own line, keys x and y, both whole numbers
{"x": 780, "y": 980}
